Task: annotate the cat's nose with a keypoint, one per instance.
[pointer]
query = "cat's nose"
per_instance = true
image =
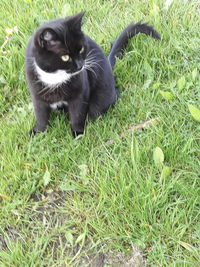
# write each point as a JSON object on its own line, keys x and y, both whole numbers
{"x": 79, "y": 65}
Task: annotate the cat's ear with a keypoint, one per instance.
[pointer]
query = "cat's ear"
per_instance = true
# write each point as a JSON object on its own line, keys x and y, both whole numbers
{"x": 47, "y": 38}
{"x": 75, "y": 22}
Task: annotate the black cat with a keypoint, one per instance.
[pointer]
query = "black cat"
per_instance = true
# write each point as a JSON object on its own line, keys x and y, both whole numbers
{"x": 65, "y": 68}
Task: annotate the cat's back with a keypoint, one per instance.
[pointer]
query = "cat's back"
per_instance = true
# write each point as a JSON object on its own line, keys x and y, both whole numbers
{"x": 94, "y": 48}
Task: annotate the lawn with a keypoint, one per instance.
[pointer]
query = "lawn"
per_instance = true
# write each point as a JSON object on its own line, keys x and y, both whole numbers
{"x": 63, "y": 198}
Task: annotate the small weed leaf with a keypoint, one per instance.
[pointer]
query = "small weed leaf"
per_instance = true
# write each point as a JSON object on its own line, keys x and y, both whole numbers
{"x": 147, "y": 70}
{"x": 2, "y": 80}
{"x": 194, "y": 74}
{"x": 156, "y": 85}
{"x": 158, "y": 156}
{"x": 147, "y": 84}
{"x": 167, "y": 4}
{"x": 186, "y": 246}
{"x": 135, "y": 149}
{"x": 195, "y": 112}
{"x": 80, "y": 238}
{"x": 154, "y": 193}
{"x": 3, "y": 196}
{"x": 83, "y": 173}
{"x": 167, "y": 95}
{"x": 66, "y": 9}
{"x": 69, "y": 238}
{"x": 181, "y": 83}
{"x": 155, "y": 11}
{"x": 67, "y": 187}
{"x": 46, "y": 178}
{"x": 166, "y": 171}
{"x": 22, "y": 111}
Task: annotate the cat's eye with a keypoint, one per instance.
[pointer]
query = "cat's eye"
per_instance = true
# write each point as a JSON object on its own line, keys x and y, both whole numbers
{"x": 65, "y": 58}
{"x": 82, "y": 50}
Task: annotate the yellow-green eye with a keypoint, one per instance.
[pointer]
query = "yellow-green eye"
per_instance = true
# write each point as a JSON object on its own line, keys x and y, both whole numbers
{"x": 65, "y": 58}
{"x": 82, "y": 50}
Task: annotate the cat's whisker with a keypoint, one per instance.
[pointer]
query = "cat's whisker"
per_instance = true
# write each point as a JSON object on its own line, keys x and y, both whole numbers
{"x": 51, "y": 88}
{"x": 49, "y": 91}
{"x": 89, "y": 64}
{"x": 93, "y": 63}
{"x": 93, "y": 58}
{"x": 91, "y": 51}
{"x": 92, "y": 71}
{"x": 43, "y": 90}
{"x": 91, "y": 55}
{"x": 88, "y": 67}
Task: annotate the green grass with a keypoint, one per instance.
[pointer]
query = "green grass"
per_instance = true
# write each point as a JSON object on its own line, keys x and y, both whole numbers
{"x": 114, "y": 196}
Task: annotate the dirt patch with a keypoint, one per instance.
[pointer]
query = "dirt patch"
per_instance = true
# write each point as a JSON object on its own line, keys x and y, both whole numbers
{"x": 10, "y": 234}
{"x": 46, "y": 211}
{"x": 115, "y": 259}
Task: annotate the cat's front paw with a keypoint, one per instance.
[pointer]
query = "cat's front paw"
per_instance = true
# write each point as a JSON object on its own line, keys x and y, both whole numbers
{"x": 77, "y": 133}
{"x": 36, "y": 130}
{"x": 32, "y": 132}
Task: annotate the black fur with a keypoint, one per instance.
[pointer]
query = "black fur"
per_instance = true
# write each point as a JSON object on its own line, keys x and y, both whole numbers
{"x": 90, "y": 92}
{"x": 131, "y": 30}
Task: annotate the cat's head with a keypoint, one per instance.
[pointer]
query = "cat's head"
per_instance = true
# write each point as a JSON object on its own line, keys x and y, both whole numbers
{"x": 61, "y": 45}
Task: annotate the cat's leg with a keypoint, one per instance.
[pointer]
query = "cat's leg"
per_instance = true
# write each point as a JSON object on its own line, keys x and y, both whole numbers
{"x": 42, "y": 113}
{"x": 77, "y": 109}
{"x": 100, "y": 104}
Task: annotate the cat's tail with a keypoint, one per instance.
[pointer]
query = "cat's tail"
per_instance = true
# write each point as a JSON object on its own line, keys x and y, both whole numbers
{"x": 131, "y": 30}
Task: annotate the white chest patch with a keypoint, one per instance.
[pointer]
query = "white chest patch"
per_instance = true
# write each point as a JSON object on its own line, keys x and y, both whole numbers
{"x": 52, "y": 79}
{"x": 58, "y": 104}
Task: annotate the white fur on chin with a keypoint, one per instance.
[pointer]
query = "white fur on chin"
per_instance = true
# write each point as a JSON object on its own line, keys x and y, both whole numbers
{"x": 54, "y": 79}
